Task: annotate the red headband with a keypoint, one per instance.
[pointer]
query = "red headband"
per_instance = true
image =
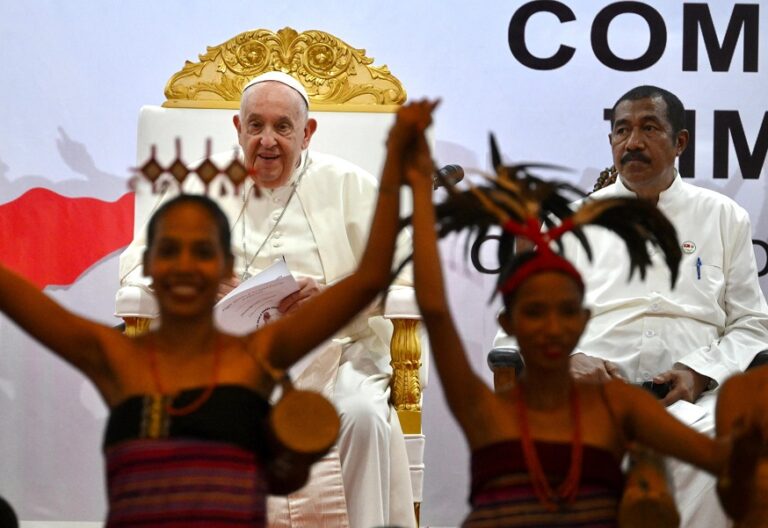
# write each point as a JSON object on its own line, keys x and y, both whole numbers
{"x": 544, "y": 259}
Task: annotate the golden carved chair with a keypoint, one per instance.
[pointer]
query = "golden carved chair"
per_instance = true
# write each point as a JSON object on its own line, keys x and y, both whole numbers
{"x": 354, "y": 103}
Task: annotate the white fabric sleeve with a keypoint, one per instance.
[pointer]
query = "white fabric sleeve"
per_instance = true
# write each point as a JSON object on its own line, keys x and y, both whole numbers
{"x": 746, "y": 326}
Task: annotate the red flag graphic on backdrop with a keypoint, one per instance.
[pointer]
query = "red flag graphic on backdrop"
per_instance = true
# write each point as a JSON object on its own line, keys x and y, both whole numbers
{"x": 52, "y": 239}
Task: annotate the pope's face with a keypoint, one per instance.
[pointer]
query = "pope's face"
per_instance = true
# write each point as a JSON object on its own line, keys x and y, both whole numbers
{"x": 273, "y": 129}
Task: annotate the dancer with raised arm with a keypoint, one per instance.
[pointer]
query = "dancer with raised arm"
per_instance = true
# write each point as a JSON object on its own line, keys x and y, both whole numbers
{"x": 185, "y": 442}
{"x": 547, "y": 450}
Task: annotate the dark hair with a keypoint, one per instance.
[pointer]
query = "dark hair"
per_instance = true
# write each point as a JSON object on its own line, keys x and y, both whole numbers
{"x": 215, "y": 212}
{"x": 675, "y": 108}
{"x": 8, "y": 517}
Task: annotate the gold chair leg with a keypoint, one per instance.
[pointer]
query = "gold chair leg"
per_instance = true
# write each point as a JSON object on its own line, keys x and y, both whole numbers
{"x": 136, "y": 326}
{"x": 503, "y": 378}
{"x": 406, "y": 361}
{"x": 405, "y": 348}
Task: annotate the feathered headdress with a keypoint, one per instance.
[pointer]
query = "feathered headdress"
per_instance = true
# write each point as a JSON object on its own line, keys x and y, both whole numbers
{"x": 539, "y": 211}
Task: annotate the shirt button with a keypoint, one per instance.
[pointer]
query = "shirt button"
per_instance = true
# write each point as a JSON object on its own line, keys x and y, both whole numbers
{"x": 650, "y": 333}
{"x": 276, "y": 243}
{"x": 275, "y": 199}
{"x": 276, "y": 216}
{"x": 655, "y": 307}
{"x": 646, "y": 375}
{"x": 276, "y": 234}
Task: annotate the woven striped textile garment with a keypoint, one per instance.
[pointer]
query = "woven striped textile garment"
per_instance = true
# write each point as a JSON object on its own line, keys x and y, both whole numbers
{"x": 502, "y": 494}
{"x": 175, "y": 483}
{"x": 201, "y": 469}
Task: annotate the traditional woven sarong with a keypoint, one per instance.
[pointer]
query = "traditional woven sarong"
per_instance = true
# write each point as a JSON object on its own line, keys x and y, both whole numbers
{"x": 201, "y": 469}
{"x": 502, "y": 495}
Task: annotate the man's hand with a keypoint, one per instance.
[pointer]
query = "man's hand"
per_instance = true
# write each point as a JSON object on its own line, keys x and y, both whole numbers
{"x": 686, "y": 384}
{"x": 588, "y": 368}
{"x": 308, "y": 287}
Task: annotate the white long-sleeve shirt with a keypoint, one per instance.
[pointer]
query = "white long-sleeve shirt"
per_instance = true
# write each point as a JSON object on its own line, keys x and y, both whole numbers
{"x": 715, "y": 319}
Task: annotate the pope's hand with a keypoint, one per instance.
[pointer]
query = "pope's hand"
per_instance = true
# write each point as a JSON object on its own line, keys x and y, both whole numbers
{"x": 308, "y": 287}
{"x": 226, "y": 286}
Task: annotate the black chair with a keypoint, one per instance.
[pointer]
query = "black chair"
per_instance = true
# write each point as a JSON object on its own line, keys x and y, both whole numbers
{"x": 505, "y": 358}
{"x": 760, "y": 359}
{"x": 506, "y": 364}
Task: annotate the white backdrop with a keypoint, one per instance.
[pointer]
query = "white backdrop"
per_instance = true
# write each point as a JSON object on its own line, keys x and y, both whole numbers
{"x": 76, "y": 73}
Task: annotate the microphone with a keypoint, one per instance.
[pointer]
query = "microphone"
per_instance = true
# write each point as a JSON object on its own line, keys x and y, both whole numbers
{"x": 447, "y": 176}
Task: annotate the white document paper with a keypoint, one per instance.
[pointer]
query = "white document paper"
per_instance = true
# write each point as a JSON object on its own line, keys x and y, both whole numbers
{"x": 254, "y": 302}
{"x": 686, "y": 412}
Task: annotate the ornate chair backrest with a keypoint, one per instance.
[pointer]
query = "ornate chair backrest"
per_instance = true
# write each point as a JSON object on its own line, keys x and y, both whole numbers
{"x": 607, "y": 177}
{"x": 353, "y": 101}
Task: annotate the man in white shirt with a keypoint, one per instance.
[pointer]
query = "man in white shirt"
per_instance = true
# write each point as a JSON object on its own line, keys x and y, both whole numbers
{"x": 315, "y": 213}
{"x": 693, "y": 336}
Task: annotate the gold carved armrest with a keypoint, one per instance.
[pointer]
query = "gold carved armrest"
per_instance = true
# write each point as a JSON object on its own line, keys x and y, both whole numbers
{"x": 135, "y": 326}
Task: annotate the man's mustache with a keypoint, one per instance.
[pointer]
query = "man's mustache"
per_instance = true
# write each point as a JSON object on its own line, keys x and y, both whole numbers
{"x": 634, "y": 156}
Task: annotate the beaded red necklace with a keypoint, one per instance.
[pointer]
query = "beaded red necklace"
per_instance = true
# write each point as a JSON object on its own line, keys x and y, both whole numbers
{"x": 204, "y": 396}
{"x": 567, "y": 491}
